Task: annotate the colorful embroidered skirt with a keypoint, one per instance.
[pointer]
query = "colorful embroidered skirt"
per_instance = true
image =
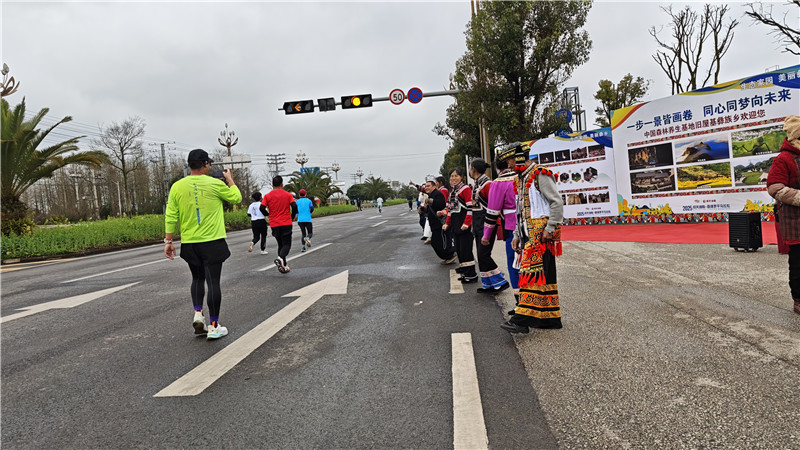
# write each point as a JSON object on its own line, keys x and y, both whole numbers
{"x": 538, "y": 305}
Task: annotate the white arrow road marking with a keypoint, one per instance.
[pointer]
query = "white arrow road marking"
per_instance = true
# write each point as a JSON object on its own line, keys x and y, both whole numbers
{"x": 69, "y": 302}
{"x": 379, "y": 223}
{"x": 401, "y": 215}
{"x": 455, "y": 285}
{"x": 202, "y": 376}
{"x": 115, "y": 270}
{"x": 297, "y": 256}
{"x": 469, "y": 428}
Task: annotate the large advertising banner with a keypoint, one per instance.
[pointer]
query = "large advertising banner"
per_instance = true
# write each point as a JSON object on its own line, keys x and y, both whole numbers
{"x": 584, "y": 167}
{"x": 705, "y": 151}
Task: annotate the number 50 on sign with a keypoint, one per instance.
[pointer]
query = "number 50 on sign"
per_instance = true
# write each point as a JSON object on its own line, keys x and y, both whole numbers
{"x": 397, "y": 96}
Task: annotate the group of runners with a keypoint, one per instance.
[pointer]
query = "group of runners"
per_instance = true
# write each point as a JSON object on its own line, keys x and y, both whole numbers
{"x": 522, "y": 208}
{"x": 282, "y": 209}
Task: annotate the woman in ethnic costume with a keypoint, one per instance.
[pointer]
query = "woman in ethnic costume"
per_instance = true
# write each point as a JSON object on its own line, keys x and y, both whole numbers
{"x": 492, "y": 279}
{"x": 501, "y": 211}
{"x": 459, "y": 219}
{"x": 538, "y": 238}
{"x": 783, "y": 184}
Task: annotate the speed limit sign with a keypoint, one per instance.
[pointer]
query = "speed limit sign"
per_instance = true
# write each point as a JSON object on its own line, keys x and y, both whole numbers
{"x": 397, "y": 96}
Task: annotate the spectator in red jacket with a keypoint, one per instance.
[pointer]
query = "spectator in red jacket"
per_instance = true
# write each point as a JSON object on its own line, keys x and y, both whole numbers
{"x": 783, "y": 184}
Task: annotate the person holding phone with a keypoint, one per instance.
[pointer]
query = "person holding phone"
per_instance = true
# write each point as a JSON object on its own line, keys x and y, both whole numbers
{"x": 195, "y": 203}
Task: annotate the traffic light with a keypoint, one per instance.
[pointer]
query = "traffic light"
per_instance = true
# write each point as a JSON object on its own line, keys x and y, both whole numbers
{"x": 298, "y": 107}
{"x": 327, "y": 104}
{"x": 357, "y": 101}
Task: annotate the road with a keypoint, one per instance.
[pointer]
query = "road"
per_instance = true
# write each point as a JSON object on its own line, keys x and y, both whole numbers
{"x": 663, "y": 346}
{"x": 389, "y": 358}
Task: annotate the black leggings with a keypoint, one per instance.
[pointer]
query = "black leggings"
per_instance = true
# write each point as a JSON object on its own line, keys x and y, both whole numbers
{"x": 207, "y": 273}
{"x": 260, "y": 232}
{"x": 485, "y": 261}
{"x": 794, "y": 271}
{"x": 283, "y": 236}
{"x": 464, "y": 250}
{"x": 307, "y": 229}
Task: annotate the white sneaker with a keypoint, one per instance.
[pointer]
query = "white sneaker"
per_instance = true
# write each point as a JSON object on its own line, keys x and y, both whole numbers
{"x": 250, "y": 249}
{"x": 264, "y": 252}
{"x": 216, "y": 332}
{"x": 199, "y": 323}
{"x": 307, "y": 240}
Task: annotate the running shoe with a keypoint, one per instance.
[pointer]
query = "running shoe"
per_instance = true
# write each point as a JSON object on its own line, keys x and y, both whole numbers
{"x": 303, "y": 249}
{"x": 250, "y": 249}
{"x": 451, "y": 260}
{"x": 280, "y": 265}
{"x": 216, "y": 332}
{"x": 264, "y": 252}
{"x": 307, "y": 240}
{"x": 199, "y": 323}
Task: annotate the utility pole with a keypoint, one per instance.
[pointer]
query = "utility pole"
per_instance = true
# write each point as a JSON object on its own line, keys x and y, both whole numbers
{"x": 275, "y": 163}
{"x": 483, "y": 129}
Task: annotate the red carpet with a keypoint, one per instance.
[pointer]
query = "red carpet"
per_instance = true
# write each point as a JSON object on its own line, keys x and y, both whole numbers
{"x": 670, "y": 233}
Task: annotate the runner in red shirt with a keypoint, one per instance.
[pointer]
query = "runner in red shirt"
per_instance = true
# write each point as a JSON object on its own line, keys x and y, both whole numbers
{"x": 281, "y": 208}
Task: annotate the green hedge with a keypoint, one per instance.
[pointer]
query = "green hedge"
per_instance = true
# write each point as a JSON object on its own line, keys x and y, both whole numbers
{"x": 114, "y": 233}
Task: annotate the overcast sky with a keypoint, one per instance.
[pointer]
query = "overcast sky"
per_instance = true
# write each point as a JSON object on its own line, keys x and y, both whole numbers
{"x": 188, "y": 68}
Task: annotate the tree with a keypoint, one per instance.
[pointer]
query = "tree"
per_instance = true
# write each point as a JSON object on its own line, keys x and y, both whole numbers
{"x": 682, "y": 59}
{"x": 626, "y": 93}
{"x": 124, "y": 142}
{"x": 518, "y": 56}
{"x": 317, "y": 184}
{"x": 376, "y": 187}
{"x": 355, "y": 191}
{"x": 24, "y": 163}
{"x": 407, "y": 191}
{"x": 782, "y": 31}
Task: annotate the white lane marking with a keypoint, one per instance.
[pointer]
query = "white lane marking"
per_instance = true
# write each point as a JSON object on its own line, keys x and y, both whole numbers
{"x": 115, "y": 270}
{"x": 69, "y": 302}
{"x": 312, "y": 250}
{"x": 204, "y": 375}
{"x": 455, "y": 285}
{"x": 469, "y": 428}
{"x": 374, "y": 217}
{"x": 379, "y": 223}
{"x": 401, "y": 215}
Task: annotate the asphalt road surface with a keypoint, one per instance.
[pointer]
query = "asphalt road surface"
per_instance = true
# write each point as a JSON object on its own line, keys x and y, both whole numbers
{"x": 92, "y": 349}
{"x": 368, "y": 343}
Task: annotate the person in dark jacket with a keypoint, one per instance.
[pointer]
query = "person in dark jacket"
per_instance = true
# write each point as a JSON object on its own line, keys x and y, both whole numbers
{"x": 440, "y": 241}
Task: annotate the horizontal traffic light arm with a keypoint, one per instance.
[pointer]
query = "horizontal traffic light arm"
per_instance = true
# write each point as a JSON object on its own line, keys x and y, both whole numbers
{"x": 293, "y": 105}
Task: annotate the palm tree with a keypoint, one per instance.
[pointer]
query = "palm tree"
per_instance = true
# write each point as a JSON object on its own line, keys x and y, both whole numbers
{"x": 376, "y": 187}
{"x": 23, "y": 164}
{"x": 317, "y": 184}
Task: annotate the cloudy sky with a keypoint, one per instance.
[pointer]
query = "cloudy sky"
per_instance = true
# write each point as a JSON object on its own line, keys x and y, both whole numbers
{"x": 187, "y": 68}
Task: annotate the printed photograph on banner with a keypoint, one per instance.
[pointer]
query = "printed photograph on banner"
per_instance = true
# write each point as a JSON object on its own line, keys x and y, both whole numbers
{"x": 546, "y": 158}
{"x": 701, "y": 148}
{"x": 650, "y": 156}
{"x": 600, "y": 197}
{"x": 563, "y": 177}
{"x": 535, "y": 159}
{"x": 596, "y": 151}
{"x": 752, "y": 171}
{"x": 653, "y": 181}
{"x": 576, "y": 177}
{"x": 590, "y": 174}
{"x": 564, "y": 199}
{"x": 562, "y": 155}
{"x": 704, "y": 176}
{"x": 757, "y": 141}
{"x": 577, "y": 199}
{"x": 579, "y": 153}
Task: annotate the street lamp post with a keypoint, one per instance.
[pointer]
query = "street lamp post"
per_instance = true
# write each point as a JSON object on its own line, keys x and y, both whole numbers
{"x": 335, "y": 168}
{"x": 228, "y": 139}
{"x": 301, "y": 159}
{"x": 119, "y": 197}
{"x": 359, "y": 174}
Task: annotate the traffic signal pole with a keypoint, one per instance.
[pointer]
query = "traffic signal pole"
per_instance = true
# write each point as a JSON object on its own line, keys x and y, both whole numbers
{"x": 383, "y": 99}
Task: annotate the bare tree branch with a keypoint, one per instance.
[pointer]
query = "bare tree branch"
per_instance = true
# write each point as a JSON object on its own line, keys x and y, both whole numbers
{"x": 783, "y": 32}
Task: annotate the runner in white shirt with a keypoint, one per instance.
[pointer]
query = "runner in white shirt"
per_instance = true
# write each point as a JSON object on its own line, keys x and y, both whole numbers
{"x": 259, "y": 224}
{"x": 380, "y": 205}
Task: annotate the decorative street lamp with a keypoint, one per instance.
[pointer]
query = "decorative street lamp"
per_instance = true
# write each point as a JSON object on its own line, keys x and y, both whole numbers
{"x": 359, "y": 174}
{"x": 9, "y": 85}
{"x": 301, "y": 159}
{"x": 335, "y": 168}
{"x": 227, "y": 139}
